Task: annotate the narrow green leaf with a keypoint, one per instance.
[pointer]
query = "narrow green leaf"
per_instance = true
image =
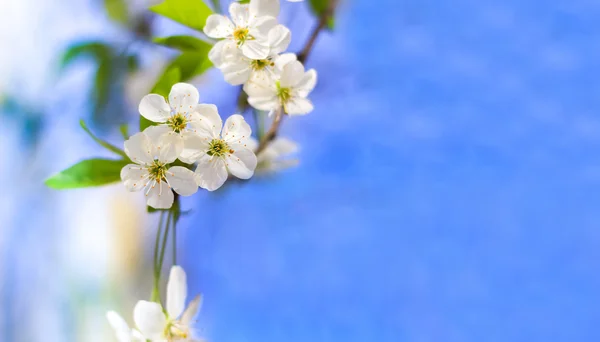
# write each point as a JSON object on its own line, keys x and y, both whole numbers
{"x": 124, "y": 131}
{"x": 191, "y": 13}
{"x": 95, "y": 49}
{"x": 88, "y": 173}
{"x": 319, "y": 7}
{"x": 117, "y": 10}
{"x": 101, "y": 142}
{"x": 102, "y": 84}
{"x": 183, "y": 43}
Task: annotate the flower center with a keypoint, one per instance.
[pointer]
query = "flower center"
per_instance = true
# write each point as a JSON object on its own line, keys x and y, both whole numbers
{"x": 284, "y": 94}
{"x": 259, "y": 64}
{"x": 177, "y": 122}
{"x": 218, "y": 148}
{"x": 240, "y": 35}
{"x": 157, "y": 171}
{"x": 174, "y": 331}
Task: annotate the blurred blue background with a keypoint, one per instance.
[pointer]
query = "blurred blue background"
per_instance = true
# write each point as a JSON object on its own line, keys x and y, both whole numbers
{"x": 448, "y": 186}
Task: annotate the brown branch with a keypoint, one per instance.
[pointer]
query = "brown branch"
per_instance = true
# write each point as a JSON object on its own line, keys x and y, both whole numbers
{"x": 272, "y": 132}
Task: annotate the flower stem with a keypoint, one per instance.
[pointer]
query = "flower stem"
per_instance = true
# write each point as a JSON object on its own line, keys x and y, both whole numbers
{"x": 174, "y": 242}
{"x": 272, "y": 132}
{"x": 155, "y": 293}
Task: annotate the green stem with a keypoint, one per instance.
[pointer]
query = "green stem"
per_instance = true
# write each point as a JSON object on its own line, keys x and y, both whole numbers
{"x": 155, "y": 293}
{"x": 164, "y": 242}
{"x": 174, "y": 242}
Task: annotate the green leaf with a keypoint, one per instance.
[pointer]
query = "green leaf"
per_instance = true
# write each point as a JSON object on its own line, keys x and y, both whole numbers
{"x": 95, "y": 49}
{"x": 117, "y": 10}
{"x": 101, "y": 142}
{"x": 102, "y": 84}
{"x": 319, "y": 7}
{"x": 183, "y": 43}
{"x": 88, "y": 173}
{"x": 191, "y": 13}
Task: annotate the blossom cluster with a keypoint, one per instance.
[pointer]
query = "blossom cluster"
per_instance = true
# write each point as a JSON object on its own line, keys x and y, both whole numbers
{"x": 192, "y": 133}
{"x": 155, "y": 323}
{"x": 250, "y": 52}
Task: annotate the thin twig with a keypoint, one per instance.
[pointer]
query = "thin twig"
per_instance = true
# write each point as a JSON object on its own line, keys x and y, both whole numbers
{"x": 272, "y": 132}
{"x": 325, "y": 16}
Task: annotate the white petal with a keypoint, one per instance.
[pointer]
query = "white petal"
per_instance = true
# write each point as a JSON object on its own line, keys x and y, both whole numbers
{"x": 150, "y": 319}
{"x": 307, "y": 83}
{"x": 160, "y": 196}
{"x": 218, "y": 26}
{"x": 264, "y": 103}
{"x": 252, "y": 144}
{"x": 137, "y": 336}
{"x": 194, "y": 147}
{"x": 259, "y": 27}
{"x": 206, "y": 121}
{"x": 292, "y": 73}
{"x": 134, "y": 177}
{"x": 236, "y": 130}
{"x": 298, "y": 106}
{"x": 280, "y": 147}
{"x": 264, "y": 7}
{"x": 239, "y": 14}
{"x": 169, "y": 147}
{"x": 183, "y": 97}
{"x": 191, "y": 311}
{"x": 120, "y": 326}
{"x": 255, "y": 49}
{"x": 155, "y": 133}
{"x": 176, "y": 291}
{"x": 139, "y": 148}
{"x": 219, "y": 52}
{"x": 154, "y": 108}
{"x": 211, "y": 173}
{"x": 236, "y": 73}
{"x": 282, "y": 60}
{"x": 279, "y": 39}
{"x": 182, "y": 181}
{"x": 261, "y": 88}
{"x": 242, "y": 162}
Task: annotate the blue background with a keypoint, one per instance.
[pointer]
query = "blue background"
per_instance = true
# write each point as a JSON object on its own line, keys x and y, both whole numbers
{"x": 448, "y": 190}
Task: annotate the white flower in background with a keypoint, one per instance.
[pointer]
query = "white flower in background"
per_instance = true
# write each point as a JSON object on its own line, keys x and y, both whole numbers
{"x": 122, "y": 330}
{"x": 151, "y": 171}
{"x": 237, "y": 68}
{"x": 275, "y": 157}
{"x": 248, "y": 31}
{"x": 289, "y": 91}
{"x": 175, "y": 324}
{"x": 224, "y": 151}
{"x": 179, "y": 117}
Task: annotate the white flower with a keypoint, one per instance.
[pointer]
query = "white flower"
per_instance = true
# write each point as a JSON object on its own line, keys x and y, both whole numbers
{"x": 151, "y": 171}
{"x": 274, "y": 157}
{"x": 288, "y": 91}
{"x": 237, "y": 68}
{"x": 222, "y": 151}
{"x": 248, "y": 31}
{"x": 175, "y": 324}
{"x": 179, "y": 117}
{"x": 122, "y": 330}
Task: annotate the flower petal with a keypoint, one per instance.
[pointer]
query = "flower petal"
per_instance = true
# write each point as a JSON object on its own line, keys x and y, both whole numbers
{"x": 264, "y": 7}
{"x": 242, "y": 162}
{"x": 120, "y": 326}
{"x": 176, "y": 291}
{"x": 259, "y": 27}
{"x": 150, "y": 319}
{"x": 154, "y": 108}
{"x": 208, "y": 121}
{"x": 236, "y": 73}
{"x": 219, "y": 53}
{"x": 191, "y": 311}
{"x": 292, "y": 73}
{"x": 159, "y": 196}
{"x": 134, "y": 176}
{"x": 255, "y": 49}
{"x": 139, "y": 148}
{"x": 236, "y": 130}
{"x": 218, "y": 26}
{"x": 194, "y": 147}
{"x": 155, "y": 132}
{"x": 264, "y": 103}
{"x": 282, "y": 60}
{"x": 211, "y": 173}
{"x": 279, "y": 39}
{"x": 183, "y": 97}
{"x": 307, "y": 83}
{"x": 182, "y": 181}
{"x": 298, "y": 106}
{"x": 169, "y": 146}
{"x": 239, "y": 14}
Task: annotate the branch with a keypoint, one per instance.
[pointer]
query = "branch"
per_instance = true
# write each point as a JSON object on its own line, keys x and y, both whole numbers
{"x": 272, "y": 132}
{"x": 323, "y": 19}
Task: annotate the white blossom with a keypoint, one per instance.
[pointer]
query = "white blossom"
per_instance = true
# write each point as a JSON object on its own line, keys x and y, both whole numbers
{"x": 238, "y": 69}
{"x": 247, "y": 29}
{"x": 178, "y": 118}
{"x": 151, "y": 172}
{"x": 220, "y": 152}
{"x": 275, "y": 156}
{"x": 174, "y": 323}
{"x": 122, "y": 330}
{"x": 290, "y": 90}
